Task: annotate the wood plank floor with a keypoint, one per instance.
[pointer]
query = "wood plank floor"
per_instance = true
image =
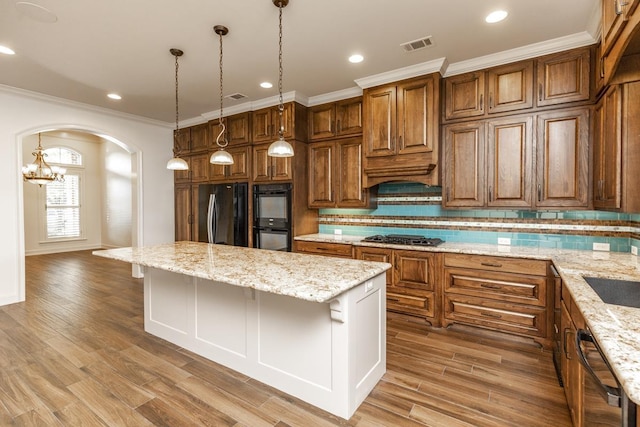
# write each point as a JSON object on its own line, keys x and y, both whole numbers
{"x": 76, "y": 354}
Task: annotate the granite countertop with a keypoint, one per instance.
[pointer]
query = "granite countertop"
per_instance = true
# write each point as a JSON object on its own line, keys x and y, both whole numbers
{"x": 616, "y": 328}
{"x": 307, "y": 277}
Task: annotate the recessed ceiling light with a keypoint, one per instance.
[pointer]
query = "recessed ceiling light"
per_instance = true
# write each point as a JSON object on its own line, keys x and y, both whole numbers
{"x": 354, "y": 59}
{"x": 496, "y": 16}
{"x": 6, "y": 50}
{"x": 266, "y": 85}
{"x": 114, "y": 96}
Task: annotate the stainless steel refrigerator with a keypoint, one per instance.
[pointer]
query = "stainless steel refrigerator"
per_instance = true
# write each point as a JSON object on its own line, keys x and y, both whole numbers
{"x": 223, "y": 214}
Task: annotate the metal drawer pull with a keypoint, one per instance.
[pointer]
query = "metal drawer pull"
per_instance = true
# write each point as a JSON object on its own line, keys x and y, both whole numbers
{"x": 491, "y": 264}
{"x": 490, "y": 286}
{"x": 611, "y": 394}
{"x": 488, "y": 314}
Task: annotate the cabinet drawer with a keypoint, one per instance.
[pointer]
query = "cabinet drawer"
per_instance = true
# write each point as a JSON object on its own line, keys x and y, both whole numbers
{"x": 417, "y": 304}
{"x": 520, "y": 289}
{"x": 319, "y": 248}
{"x": 510, "y": 265}
{"x": 491, "y": 314}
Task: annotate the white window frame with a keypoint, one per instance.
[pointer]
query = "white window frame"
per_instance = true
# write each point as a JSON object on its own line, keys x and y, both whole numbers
{"x": 79, "y": 171}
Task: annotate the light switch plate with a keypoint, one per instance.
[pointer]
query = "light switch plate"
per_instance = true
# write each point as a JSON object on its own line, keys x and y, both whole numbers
{"x": 601, "y": 247}
{"x": 337, "y": 231}
{"x": 504, "y": 240}
{"x": 634, "y": 250}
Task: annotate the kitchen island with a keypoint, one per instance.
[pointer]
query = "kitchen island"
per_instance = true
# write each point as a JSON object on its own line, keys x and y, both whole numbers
{"x": 311, "y": 326}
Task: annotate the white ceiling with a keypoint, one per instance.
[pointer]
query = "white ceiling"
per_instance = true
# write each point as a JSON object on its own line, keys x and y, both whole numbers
{"x": 96, "y": 47}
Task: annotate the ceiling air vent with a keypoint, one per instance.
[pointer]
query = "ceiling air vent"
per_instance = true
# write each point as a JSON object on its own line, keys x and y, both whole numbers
{"x": 236, "y": 96}
{"x": 417, "y": 44}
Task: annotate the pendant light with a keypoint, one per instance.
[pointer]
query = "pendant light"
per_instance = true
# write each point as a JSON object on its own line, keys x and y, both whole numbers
{"x": 221, "y": 157}
{"x": 280, "y": 147}
{"x": 39, "y": 172}
{"x": 177, "y": 163}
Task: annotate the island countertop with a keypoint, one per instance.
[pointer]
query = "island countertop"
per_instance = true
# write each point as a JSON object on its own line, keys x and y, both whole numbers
{"x": 616, "y": 328}
{"x": 307, "y": 277}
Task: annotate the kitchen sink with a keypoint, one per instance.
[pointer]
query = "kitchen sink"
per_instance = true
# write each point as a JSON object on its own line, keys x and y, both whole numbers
{"x": 618, "y": 292}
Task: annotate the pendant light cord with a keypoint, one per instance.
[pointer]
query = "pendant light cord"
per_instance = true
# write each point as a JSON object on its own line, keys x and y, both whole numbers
{"x": 176, "y": 136}
{"x": 281, "y": 105}
{"x": 222, "y": 135}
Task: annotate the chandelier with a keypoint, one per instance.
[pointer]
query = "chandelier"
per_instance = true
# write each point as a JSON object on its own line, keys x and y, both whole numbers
{"x": 39, "y": 172}
{"x": 177, "y": 163}
{"x": 280, "y": 147}
{"x": 221, "y": 157}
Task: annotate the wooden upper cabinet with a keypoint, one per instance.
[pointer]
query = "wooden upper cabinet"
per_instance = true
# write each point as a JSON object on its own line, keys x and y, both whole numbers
{"x": 335, "y": 174}
{"x": 238, "y": 129}
{"x": 464, "y": 96}
{"x": 266, "y": 168}
{"x": 265, "y": 123}
{"x": 464, "y": 165}
{"x": 510, "y": 161}
{"x": 614, "y": 18}
{"x": 335, "y": 119}
{"x": 563, "y": 158}
{"x": 415, "y": 125}
{"x": 607, "y": 141}
{"x": 380, "y": 121}
{"x": 564, "y": 77}
{"x": 510, "y": 87}
{"x": 181, "y": 140}
{"x": 321, "y": 175}
{"x": 199, "y": 167}
{"x": 238, "y": 171}
{"x": 200, "y": 138}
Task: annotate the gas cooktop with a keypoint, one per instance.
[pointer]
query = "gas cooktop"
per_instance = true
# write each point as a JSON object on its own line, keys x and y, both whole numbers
{"x": 403, "y": 239}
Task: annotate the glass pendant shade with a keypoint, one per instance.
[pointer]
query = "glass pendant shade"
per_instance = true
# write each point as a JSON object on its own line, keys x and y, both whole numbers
{"x": 221, "y": 157}
{"x": 177, "y": 164}
{"x": 280, "y": 148}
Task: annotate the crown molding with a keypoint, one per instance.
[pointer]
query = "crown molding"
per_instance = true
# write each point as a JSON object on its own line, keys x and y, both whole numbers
{"x": 525, "y": 52}
{"x": 416, "y": 70}
{"x": 338, "y": 95}
{"x": 80, "y": 105}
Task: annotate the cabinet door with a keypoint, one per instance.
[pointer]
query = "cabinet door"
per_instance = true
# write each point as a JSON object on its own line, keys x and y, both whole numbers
{"x": 464, "y": 96}
{"x": 239, "y": 170}
{"x": 200, "y": 138}
{"x": 563, "y": 159}
{"x": 571, "y": 369}
{"x": 238, "y": 129}
{"x": 261, "y": 125}
{"x": 349, "y": 117}
{"x": 199, "y": 167}
{"x": 613, "y": 21}
{"x": 287, "y": 124}
{"x": 322, "y": 121}
{"x": 350, "y": 193}
{"x": 281, "y": 169}
{"x": 261, "y": 163}
{"x": 182, "y": 211}
{"x": 464, "y": 165}
{"x": 183, "y": 176}
{"x": 510, "y": 162}
{"x": 607, "y": 148}
{"x": 321, "y": 175}
{"x": 414, "y": 283}
{"x": 181, "y": 140}
{"x": 564, "y": 77}
{"x": 380, "y": 121}
{"x": 378, "y": 255}
{"x": 510, "y": 87}
{"x": 415, "y": 109}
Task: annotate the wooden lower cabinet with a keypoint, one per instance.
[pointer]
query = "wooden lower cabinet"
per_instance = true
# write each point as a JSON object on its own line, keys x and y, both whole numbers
{"x": 183, "y": 196}
{"x": 572, "y": 371}
{"x": 340, "y": 250}
{"x": 412, "y": 282}
{"x": 503, "y": 294}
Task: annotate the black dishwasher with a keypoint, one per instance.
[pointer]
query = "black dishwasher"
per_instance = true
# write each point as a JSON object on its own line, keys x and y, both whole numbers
{"x": 605, "y": 402}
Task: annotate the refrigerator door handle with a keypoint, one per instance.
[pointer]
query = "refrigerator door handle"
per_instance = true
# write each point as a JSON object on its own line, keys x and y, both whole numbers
{"x": 211, "y": 219}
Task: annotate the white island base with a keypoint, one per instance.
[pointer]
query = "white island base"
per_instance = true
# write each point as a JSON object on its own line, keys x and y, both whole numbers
{"x": 330, "y": 355}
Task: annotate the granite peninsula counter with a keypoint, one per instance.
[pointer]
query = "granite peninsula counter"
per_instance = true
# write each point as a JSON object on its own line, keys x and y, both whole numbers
{"x": 311, "y": 326}
{"x": 616, "y": 328}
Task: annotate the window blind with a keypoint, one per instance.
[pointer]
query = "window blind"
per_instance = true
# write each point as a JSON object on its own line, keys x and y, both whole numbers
{"x": 63, "y": 208}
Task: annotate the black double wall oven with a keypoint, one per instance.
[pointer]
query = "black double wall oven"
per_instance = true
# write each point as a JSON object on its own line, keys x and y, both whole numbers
{"x": 272, "y": 216}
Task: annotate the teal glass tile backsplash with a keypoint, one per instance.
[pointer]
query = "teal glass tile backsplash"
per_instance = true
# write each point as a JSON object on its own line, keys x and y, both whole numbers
{"x": 401, "y": 206}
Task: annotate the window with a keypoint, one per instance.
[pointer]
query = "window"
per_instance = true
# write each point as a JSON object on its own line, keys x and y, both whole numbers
{"x": 63, "y": 218}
